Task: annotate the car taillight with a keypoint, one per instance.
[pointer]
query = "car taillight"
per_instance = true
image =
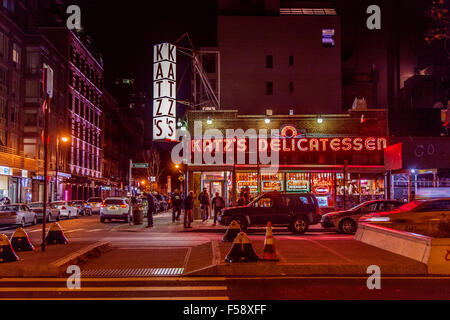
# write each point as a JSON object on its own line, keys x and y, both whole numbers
{"x": 103, "y": 205}
{"x": 63, "y": 208}
{"x": 123, "y": 205}
{"x": 78, "y": 207}
{"x": 13, "y": 214}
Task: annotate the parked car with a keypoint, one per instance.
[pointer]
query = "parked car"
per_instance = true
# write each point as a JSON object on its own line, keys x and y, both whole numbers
{"x": 346, "y": 221}
{"x": 297, "y": 211}
{"x": 17, "y": 214}
{"x": 115, "y": 208}
{"x": 95, "y": 203}
{"x": 66, "y": 209}
{"x": 419, "y": 216}
{"x": 83, "y": 208}
{"x": 53, "y": 213}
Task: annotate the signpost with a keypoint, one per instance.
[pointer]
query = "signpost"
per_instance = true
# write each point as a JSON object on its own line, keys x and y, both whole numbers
{"x": 164, "y": 92}
{"x": 140, "y": 165}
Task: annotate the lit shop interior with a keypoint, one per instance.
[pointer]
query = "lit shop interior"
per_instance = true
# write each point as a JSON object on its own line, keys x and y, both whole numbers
{"x": 330, "y": 188}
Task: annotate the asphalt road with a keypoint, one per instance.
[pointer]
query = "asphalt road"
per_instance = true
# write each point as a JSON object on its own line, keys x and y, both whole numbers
{"x": 218, "y": 288}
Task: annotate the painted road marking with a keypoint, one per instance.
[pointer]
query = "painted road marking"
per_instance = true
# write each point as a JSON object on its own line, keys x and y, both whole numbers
{"x": 74, "y": 230}
{"x": 114, "y": 289}
{"x": 127, "y": 298}
{"x": 95, "y": 230}
{"x": 115, "y": 279}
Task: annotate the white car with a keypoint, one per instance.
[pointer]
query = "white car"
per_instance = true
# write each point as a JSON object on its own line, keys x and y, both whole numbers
{"x": 95, "y": 204}
{"x": 115, "y": 208}
{"x": 66, "y": 209}
{"x": 17, "y": 214}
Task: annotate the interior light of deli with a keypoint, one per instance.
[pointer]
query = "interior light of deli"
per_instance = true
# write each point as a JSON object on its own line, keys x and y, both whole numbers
{"x": 290, "y": 145}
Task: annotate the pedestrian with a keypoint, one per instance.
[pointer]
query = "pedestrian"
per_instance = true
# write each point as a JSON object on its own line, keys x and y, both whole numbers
{"x": 176, "y": 206}
{"x": 151, "y": 209}
{"x": 247, "y": 195}
{"x": 188, "y": 207}
{"x": 204, "y": 204}
{"x": 241, "y": 200}
{"x": 217, "y": 204}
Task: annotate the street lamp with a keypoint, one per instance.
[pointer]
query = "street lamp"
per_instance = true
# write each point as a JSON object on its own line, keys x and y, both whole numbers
{"x": 64, "y": 140}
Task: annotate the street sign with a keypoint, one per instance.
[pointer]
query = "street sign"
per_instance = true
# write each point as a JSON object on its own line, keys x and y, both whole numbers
{"x": 140, "y": 165}
{"x": 181, "y": 178}
{"x": 152, "y": 179}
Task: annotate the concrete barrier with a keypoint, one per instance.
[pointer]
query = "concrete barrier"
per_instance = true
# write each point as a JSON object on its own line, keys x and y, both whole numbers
{"x": 434, "y": 252}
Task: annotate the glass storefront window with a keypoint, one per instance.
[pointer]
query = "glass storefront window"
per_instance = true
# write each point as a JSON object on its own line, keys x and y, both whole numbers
{"x": 297, "y": 182}
{"x": 247, "y": 180}
{"x": 322, "y": 186}
{"x": 272, "y": 182}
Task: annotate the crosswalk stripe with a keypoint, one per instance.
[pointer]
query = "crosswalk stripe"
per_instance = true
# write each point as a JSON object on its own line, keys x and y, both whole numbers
{"x": 131, "y": 279}
{"x": 113, "y": 289}
{"x": 74, "y": 230}
{"x": 94, "y": 230}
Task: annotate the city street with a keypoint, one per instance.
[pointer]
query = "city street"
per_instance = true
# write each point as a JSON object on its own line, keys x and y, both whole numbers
{"x": 153, "y": 263}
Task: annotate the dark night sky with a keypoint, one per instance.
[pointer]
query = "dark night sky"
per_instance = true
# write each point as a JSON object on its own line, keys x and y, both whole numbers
{"x": 125, "y": 31}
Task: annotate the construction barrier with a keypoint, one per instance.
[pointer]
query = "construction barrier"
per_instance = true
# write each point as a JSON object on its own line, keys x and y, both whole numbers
{"x": 20, "y": 241}
{"x": 241, "y": 250}
{"x": 232, "y": 231}
{"x": 55, "y": 235}
{"x": 7, "y": 253}
{"x": 269, "y": 245}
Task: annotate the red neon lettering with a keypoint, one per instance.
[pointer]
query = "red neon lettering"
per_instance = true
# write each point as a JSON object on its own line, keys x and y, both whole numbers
{"x": 357, "y": 144}
{"x": 346, "y": 144}
{"x": 207, "y": 145}
{"x": 263, "y": 144}
{"x": 381, "y": 143}
{"x": 370, "y": 144}
{"x": 335, "y": 144}
{"x": 241, "y": 147}
{"x": 285, "y": 148}
{"x": 196, "y": 145}
{"x": 324, "y": 144}
{"x": 275, "y": 145}
{"x": 228, "y": 145}
{"x": 314, "y": 144}
{"x": 299, "y": 145}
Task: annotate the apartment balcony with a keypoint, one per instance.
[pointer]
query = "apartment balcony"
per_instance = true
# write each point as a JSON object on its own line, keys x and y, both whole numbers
{"x": 10, "y": 157}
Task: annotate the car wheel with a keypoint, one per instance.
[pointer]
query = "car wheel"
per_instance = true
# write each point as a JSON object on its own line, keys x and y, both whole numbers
{"x": 34, "y": 221}
{"x": 299, "y": 225}
{"x": 102, "y": 219}
{"x": 348, "y": 226}
{"x": 242, "y": 222}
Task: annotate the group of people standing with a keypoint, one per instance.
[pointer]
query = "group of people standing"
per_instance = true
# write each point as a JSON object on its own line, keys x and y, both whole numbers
{"x": 206, "y": 204}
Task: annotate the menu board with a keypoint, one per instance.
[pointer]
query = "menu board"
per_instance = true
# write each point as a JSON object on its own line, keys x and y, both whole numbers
{"x": 272, "y": 185}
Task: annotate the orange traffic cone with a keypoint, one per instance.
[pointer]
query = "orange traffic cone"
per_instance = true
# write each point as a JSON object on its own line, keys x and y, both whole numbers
{"x": 20, "y": 241}
{"x": 55, "y": 235}
{"x": 7, "y": 253}
{"x": 232, "y": 231}
{"x": 269, "y": 245}
{"x": 241, "y": 250}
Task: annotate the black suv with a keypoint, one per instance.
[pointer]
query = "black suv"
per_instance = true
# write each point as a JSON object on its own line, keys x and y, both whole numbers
{"x": 297, "y": 211}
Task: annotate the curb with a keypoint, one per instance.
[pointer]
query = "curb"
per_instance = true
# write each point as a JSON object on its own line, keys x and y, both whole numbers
{"x": 59, "y": 267}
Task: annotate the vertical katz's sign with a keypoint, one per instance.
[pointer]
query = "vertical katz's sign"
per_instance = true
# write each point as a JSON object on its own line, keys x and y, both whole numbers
{"x": 164, "y": 91}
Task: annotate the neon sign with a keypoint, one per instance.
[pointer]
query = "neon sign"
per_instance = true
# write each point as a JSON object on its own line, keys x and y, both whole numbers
{"x": 292, "y": 145}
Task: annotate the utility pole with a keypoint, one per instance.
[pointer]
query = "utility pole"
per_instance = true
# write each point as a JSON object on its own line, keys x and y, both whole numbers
{"x": 129, "y": 179}
{"x": 47, "y": 88}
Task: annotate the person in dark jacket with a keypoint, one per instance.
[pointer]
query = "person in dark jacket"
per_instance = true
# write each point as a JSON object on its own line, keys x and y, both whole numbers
{"x": 151, "y": 209}
{"x": 204, "y": 204}
{"x": 177, "y": 202}
{"x": 217, "y": 204}
{"x": 188, "y": 207}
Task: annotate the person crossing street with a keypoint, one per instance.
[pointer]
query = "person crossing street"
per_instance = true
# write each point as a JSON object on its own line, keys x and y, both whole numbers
{"x": 204, "y": 204}
{"x": 177, "y": 202}
{"x": 217, "y": 204}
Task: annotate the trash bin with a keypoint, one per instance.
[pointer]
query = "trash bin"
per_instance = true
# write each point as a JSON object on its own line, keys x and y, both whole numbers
{"x": 138, "y": 214}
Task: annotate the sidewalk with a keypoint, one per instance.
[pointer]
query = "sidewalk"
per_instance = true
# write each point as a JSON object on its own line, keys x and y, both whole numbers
{"x": 308, "y": 257}
{"x": 54, "y": 261}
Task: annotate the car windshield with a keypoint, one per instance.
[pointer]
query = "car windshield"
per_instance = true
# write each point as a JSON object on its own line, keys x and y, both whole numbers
{"x": 114, "y": 201}
{"x": 9, "y": 208}
{"x": 95, "y": 200}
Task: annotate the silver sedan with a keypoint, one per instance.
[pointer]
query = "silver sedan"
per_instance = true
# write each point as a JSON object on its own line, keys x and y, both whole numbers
{"x": 17, "y": 214}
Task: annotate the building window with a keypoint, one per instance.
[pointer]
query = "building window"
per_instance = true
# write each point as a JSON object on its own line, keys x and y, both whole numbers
{"x": 33, "y": 60}
{"x": 31, "y": 89}
{"x": 291, "y": 87}
{"x": 328, "y": 38}
{"x": 269, "y": 62}
{"x": 269, "y": 88}
{"x": 16, "y": 55}
{"x": 3, "y": 46}
{"x": 291, "y": 61}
